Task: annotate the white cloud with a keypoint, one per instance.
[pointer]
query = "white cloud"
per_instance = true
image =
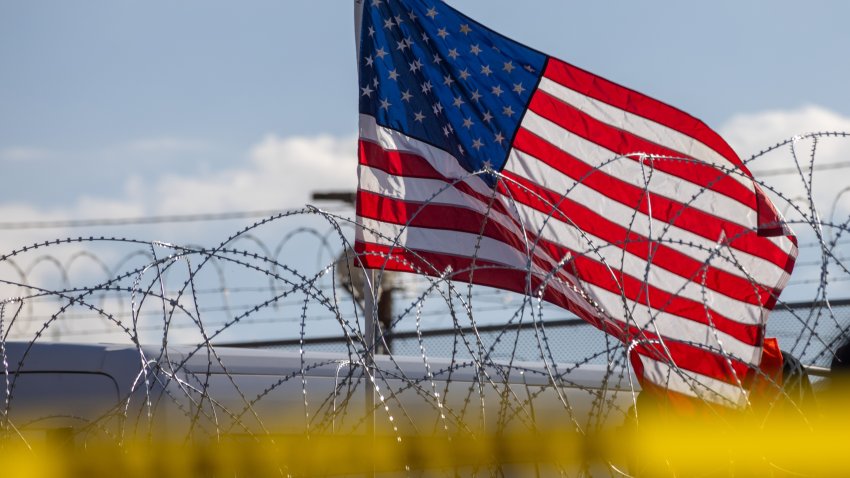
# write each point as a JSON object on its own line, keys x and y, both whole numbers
{"x": 281, "y": 173}
{"x": 752, "y": 132}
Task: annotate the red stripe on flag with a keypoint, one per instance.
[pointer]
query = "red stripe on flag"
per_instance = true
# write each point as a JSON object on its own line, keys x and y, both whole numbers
{"x": 639, "y": 104}
{"x": 396, "y": 163}
{"x": 694, "y": 359}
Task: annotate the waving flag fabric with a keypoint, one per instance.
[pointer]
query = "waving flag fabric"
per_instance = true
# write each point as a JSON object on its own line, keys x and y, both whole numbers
{"x": 496, "y": 164}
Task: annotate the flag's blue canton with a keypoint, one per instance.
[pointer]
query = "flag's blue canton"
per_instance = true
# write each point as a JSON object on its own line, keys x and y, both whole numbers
{"x": 434, "y": 74}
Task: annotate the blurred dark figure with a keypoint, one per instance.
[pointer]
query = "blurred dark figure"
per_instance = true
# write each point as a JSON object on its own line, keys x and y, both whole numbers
{"x": 841, "y": 360}
{"x": 840, "y": 370}
{"x": 796, "y": 385}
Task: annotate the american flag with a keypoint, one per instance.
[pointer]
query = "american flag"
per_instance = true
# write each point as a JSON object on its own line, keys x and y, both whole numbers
{"x": 492, "y": 163}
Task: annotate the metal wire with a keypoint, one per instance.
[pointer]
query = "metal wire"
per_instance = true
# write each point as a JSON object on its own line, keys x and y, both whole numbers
{"x": 486, "y": 358}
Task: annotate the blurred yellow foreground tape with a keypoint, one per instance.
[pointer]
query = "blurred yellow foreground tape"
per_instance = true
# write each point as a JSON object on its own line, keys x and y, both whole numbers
{"x": 779, "y": 444}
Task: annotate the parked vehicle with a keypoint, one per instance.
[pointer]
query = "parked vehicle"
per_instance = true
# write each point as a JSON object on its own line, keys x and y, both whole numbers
{"x": 119, "y": 390}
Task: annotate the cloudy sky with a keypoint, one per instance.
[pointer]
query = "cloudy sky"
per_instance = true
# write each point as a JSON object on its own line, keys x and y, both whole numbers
{"x": 119, "y": 108}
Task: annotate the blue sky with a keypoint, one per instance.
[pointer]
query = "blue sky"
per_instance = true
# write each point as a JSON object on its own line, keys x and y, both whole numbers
{"x": 101, "y": 91}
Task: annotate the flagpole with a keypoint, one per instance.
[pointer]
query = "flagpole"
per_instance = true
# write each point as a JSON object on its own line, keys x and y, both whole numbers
{"x": 358, "y": 17}
{"x": 369, "y": 303}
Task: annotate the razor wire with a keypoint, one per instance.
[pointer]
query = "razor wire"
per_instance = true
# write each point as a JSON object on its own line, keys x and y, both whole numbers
{"x": 454, "y": 357}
